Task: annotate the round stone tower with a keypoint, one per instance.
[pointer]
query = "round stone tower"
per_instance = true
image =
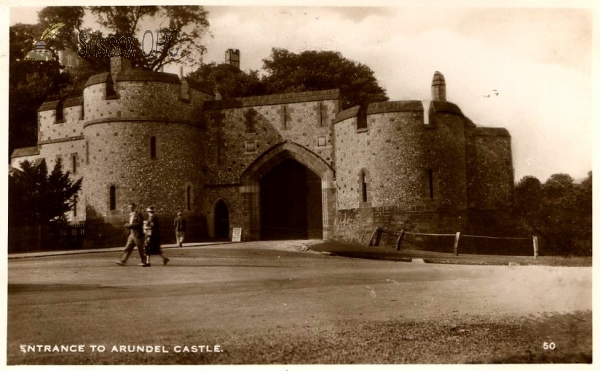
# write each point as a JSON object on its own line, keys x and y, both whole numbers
{"x": 401, "y": 171}
{"x": 142, "y": 143}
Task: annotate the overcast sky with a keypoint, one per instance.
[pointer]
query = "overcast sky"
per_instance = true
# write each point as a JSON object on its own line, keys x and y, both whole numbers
{"x": 539, "y": 60}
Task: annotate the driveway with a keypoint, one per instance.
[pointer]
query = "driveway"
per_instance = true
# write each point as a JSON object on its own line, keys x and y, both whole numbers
{"x": 220, "y": 294}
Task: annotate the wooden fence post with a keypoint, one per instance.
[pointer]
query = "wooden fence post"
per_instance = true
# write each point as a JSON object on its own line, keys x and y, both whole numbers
{"x": 535, "y": 246}
{"x": 373, "y": 235}
{"x": 379, "y": 233}
{"x": 399, "y": 240}
{"x": 456, "y": 243}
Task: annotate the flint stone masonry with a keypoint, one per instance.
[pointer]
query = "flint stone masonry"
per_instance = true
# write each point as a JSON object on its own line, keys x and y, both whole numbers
{"x": 158, "y": 139}
{"x": 227, "y": 136}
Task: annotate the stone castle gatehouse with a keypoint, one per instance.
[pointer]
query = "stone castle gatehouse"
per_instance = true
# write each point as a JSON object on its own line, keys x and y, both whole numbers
{"x": 281, "y": 166}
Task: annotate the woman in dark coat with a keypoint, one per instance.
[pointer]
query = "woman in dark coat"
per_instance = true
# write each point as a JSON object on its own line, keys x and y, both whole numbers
{"x": 152, "y": 232}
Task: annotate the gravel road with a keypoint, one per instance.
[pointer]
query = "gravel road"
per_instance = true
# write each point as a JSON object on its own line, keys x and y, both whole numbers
{"x": 280, "y": 306}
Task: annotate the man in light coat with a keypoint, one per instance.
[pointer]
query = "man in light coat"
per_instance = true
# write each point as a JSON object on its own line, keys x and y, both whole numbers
{"x": 135, "y": 238}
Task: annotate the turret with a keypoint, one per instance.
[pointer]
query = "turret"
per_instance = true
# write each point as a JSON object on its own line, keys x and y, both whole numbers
{"x": 438, "y": 87}
{"x": 232, "y": 57}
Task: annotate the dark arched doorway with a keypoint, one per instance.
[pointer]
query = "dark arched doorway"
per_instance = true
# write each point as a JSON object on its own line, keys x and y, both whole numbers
{"x": 221, "y": 220}
{"x": 290, "y": 203}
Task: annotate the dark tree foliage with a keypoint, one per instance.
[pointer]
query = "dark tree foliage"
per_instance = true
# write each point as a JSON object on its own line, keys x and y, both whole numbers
{"x": 528, "y": 202}
{"x": 558, "y": 211}
{"x": 229, "y": 81}
{"x": 66, "y": 37}
{"x": 30, "y": 84}
{"x": 39, "y": 198}
{"x": 288, "y": 72}
{"x": 182, "y": 46}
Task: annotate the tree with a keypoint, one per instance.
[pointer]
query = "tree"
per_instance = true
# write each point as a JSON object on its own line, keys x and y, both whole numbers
{"x": 67, "y": 38}
{"x": 230, "y": 81}
{"x": 39, "y": 198}
{"x": 30, "y": 84}
{"x": 72, "y": 19}
{"x": 584, "y": 207}
{"x": 321, "y": 70}
{"x": 182, "y": 34}
{"x": 528, "y": 203}
{"x": 558, "y": 211}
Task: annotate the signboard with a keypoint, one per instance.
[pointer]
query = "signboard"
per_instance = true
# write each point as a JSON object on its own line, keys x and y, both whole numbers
{"x": 236, "y": 235}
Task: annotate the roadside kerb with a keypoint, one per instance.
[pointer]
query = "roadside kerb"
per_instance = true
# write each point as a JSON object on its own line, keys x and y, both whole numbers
{"x": 106, "y": 249}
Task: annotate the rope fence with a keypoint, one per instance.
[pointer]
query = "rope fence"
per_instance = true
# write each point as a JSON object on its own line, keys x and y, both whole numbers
{"x": 461, "y": 242}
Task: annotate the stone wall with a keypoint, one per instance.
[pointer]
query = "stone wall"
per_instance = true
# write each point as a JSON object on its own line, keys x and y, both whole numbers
{"x": 51, "y": 128}
{"x": 161, "y": 140}
{"x": 240, "y": 132}
{"x": 126, "y": 114}
{"x": 490, "y": 172}
{"x": 234, "y": 200}
{"x": 414, "y": 173}
{"x": 142, "y": 99}
{"x": 19, "y": 155}
{"x": 234, "y": 142}
{"x": 119, "y": 155}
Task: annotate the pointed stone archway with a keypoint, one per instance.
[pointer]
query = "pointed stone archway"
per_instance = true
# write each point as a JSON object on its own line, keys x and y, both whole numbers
{"x": 270, "y": 161}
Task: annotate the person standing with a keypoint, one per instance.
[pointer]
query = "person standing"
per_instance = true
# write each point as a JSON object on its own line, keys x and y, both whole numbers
{"x": 180, "y": 225}
{"x": 136, "y": 236}
{"x": 152, "y": 232}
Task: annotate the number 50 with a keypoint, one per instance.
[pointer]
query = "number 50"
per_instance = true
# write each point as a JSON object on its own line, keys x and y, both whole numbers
{"x": 548, "y": 345}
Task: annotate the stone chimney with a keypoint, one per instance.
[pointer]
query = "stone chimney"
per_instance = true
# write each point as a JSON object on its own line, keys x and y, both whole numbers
{"x": 118, "y": 64}
{"x": 185, "y": 89}
{"x": 232, "y": 57}
{"x": 438, "y": 87}
{"x": 217, "y": 94}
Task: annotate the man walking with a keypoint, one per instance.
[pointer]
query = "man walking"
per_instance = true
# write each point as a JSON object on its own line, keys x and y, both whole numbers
{"x": 180, "y": 226}
{"x": 135, "y": 238}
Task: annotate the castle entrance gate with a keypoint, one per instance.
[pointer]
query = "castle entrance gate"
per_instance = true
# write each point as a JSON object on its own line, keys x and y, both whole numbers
{"x": 289, "y": 193}
{"x": 290, "y": 203}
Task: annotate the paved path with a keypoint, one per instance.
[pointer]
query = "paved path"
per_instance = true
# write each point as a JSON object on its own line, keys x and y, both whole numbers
{"x": 213, "y": 293}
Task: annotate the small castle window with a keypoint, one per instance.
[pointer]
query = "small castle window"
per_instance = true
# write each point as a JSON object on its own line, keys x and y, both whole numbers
{"x": 429, "y": 188}
{"x": 74, "y": 162}
{"x": 250, "y": 120}
{"x": 152, "y": 147}
{"x": 110, "y": 92}
{"x": 87, "y": 152}
{"x": 113, "y": 198}
{"x": 60, "y": 118}
{"x": 285, "y": 116}
{"x": 363, "y": 182}
{"x": 430, "y": 178}
{"x": 361, "y": 117}
{"x": 321, "y": 110}
{"x": 75, "y": 205}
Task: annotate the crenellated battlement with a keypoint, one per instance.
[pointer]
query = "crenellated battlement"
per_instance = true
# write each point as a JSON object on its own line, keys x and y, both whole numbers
{"x": 136, "y": 94}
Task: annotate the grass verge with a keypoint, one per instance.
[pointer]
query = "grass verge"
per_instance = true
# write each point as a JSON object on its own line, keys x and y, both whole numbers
{"x": 457, "y": 340}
